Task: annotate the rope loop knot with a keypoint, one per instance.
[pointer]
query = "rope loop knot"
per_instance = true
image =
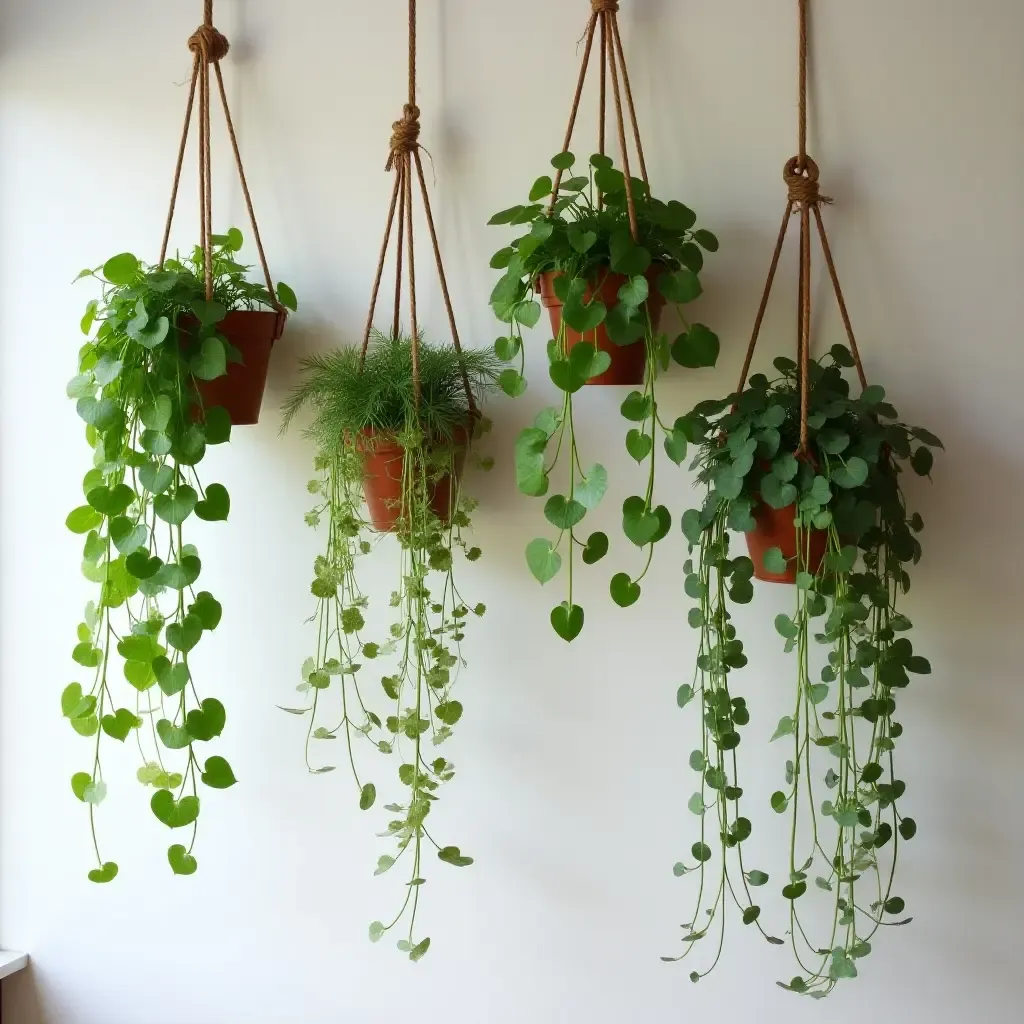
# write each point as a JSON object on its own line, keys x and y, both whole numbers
{"x": 803, "y": 183}
{"x": 405, "y": 134}
{"x": 600, "y": 6}
{"x": 210, "y": 44}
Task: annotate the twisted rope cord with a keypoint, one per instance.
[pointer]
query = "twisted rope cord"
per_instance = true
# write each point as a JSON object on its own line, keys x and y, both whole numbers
{"x": 804, "y": 197}
{"x": 403, "y": 155}
{"x": 613, "y": 63}
{"x": 210, "y": 47}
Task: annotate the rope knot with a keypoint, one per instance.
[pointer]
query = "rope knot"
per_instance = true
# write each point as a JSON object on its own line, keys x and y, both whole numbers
{"x": 803, "y": 183}
{"x": 600, "y": 6}
{"x": 405, "y": 134}
{"x": 209, "y": 44}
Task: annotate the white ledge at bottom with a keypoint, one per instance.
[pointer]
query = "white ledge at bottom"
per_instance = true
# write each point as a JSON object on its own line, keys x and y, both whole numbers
{"x": 11, "y": 963}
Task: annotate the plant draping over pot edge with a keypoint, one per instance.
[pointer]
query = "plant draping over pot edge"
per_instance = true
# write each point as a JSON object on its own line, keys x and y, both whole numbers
{"x": 395, "y": 421}
{"x": 605, "y": 256}
{"x": 814, "y": 477}
{"x": 367, "y": 426}
{"x": 140, "y": 390}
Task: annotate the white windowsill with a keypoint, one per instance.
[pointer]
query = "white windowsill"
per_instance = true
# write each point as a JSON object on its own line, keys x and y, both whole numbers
{"x": 11, "y": 963}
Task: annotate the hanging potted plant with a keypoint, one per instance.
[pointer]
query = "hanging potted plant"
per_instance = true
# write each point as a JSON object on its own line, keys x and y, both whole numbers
{"x": 390, "y": 457}
{"x": 837, "y": 503}
{"x": 604, "y": 256}
{"x": 141, "y": 391}
{"x": 394, "y": 422}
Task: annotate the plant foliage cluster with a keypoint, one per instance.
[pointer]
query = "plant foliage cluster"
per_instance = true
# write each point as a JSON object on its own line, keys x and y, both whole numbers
{"x": 418, "y": 661}
{"x": 582, "y": 238}
{"x": 149, "y": 432}
{"x": 841, "y": 786}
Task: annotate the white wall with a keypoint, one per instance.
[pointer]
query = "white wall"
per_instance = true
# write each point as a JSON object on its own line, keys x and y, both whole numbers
{"x": 573, "y": 775}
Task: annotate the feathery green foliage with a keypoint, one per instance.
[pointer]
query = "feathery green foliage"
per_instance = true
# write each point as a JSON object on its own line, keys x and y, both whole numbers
{"x": 381, "y": 395}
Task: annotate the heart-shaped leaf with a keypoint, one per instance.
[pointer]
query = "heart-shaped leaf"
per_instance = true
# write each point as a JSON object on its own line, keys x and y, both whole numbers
{"x": 676, "y": 447}
{"x": 682, "y": 286}
{"x": 107, "y": 369}
{"x": 565, "y": 378}
{"x": 624, "y": 591}
{"x": 121, "y": 270}
{"x": 776, "y": 493}
{"x": 563, "y": 512}
{"x": 207, "y": 609}
{"x": 74, "y": 704}
{"x": 531, "y": 477}
{"x": 542, "y": 558}
{"x": 173, "y": 737}
{"x": 637, "y": 407}
{"x": 181, "y": 861}
{"x": 100, "y": 413}
{"x": 639, "y": 524}
{"x": 512, "y": 382}
{"x": 157, "y": 414}
{"x": 111, "y": 501}
{"x": 454, "y": 856}
{"x": 142, "y": 566}
{"x": 587, "y": 361}
{"x": 153, "y": 335}
{"x": 174, "y": 813}
{"x": 596, "y": 549}
{"x": 627, "y": 257}
{"x": 83, "y": 519}
{"x": 664, "y": 518}
{"x": 207, "y": 721}
{"x": 176, "y": 507}
{"x": 181, "y": 575}
{"x": 697, "y": 348}
{"x": 639, "y": 445}
{"x": 105, "y": 874}
{"x": 853, "y": 473}
{"x": 211, "y": 361}
{"x": 216, "y": 505}
{"x": 591, "y": 490}
{"x": 172, "y": 678}
{"x": 128, "y": 537}
{"x": 567, "y": 621}
{"x": 120, "y": 725}
{"x": 580, "y": 315}
{"x": 156, "y": 443}
{"x": 218, "y": 774}
{"x": 582, "y": 241}
{"x": 217, "y": 425}
{"x": 775, "y": 562}
{"x": 634, "y": 292}
{"x": 208, "y": 313}
{"x": 185, "y": 635}
{"x": 625, "y": 325}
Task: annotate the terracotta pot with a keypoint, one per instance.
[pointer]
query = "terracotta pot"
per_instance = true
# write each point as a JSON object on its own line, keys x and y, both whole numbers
{"x": 628, "y": 361}
{"x": 383, "y": 463}
{"x": 240, "y": 390}
{"x": 776, "y": 529}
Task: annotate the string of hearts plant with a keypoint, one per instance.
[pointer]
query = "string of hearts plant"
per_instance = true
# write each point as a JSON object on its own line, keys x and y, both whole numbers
{"x": 386, "y": 467}
{"x": 140, "y": 392}
{"x": 395, "y": 422}
{"x": 604, "y": 256}
{"x": 813, "y": 475}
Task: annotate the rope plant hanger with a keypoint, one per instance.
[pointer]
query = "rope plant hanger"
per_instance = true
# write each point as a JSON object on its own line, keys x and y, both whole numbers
{"x": 395, "y": 418}
{"x": 603, "y": 256}
{"x": 812, "y": 476}
{"x": 166, "y": 374}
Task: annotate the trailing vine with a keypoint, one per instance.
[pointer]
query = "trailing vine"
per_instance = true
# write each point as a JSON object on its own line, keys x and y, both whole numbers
{"x": 149, "y": 431}
{"x": 363, "y": 412}
{"x": 854, "y": 542}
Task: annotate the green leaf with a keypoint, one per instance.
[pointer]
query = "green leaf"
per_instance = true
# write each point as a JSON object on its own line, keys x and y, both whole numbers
{"x": 121, "y": 270}
{"x": 544, "y": 561}
{"x": 640, "y": 525}
{"x": 528, "y": 313}
{"x": 624, "y": 591}
{"x": 206, "y": 609}
{"x": 156, "y": 479}
{"x": 757, "y": 878}
{"x": 637, "y": 407}
{"x": 751, "y": 914}
{"x": 676, "y": 447}
{"x": 185, "y": 635}
{"x": 582, "y": 241}
{"x": 627, "y": 257}
{"x": 786, "y": 627}
{"x": 776, "y": 493}
{"x": 206, "y": 722}
{"x": 174, "y": 813}
{"x": 128, "y": 537}
{"x": 83, "y": 519}
{"x": 172, "y": 679}
{"x": 583, "y": 318}
{"x": 639, "y": 445}
{"x": 852, "y": 474}
{"x": 157, "y": 414}
{"x": 708, "y": 241}
{"x": 208, "y": 313}
{"x": 74, "y": 704}
{"x": 286, "y": 297}
{"x": 596, "y": 549}
{"x": 211, "y": 361}
{"x": 591, "y": 490}
{"x": 450, "y": 712}
{"x": 775, "y": 562}
{"x": 218, "y": 774}
{"x": 217, "y": 425}
{"x": 563, "y": 161}
{"x": 367, "y": 796}
{"x": 512, "y": 382}
{"x": 105, "y": 874}
{"x": 701, "y": 852}
{"x": 634, "y": 292}
{"x": 453, "y": 855}
{"x": 176, "y": 507}
{"x": 542, "y": 188}
{"x": 697, "y": 348}
{"x": 681, "y": 287}
{"x": 119, "y": 725}
{"x": 587, "y": 361}
{"x": 216, "y": 505}
{"x": 922, "y": 461}
{"x": 181, "y": 861}
{"x": 567, "y": 621}
{"x": 111, "y": 501}
{"x": 684, "y": 695}
{"x": 786, "y": 727}
{"x": 563, "y": 513}
{"x": 419, "y": 951}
